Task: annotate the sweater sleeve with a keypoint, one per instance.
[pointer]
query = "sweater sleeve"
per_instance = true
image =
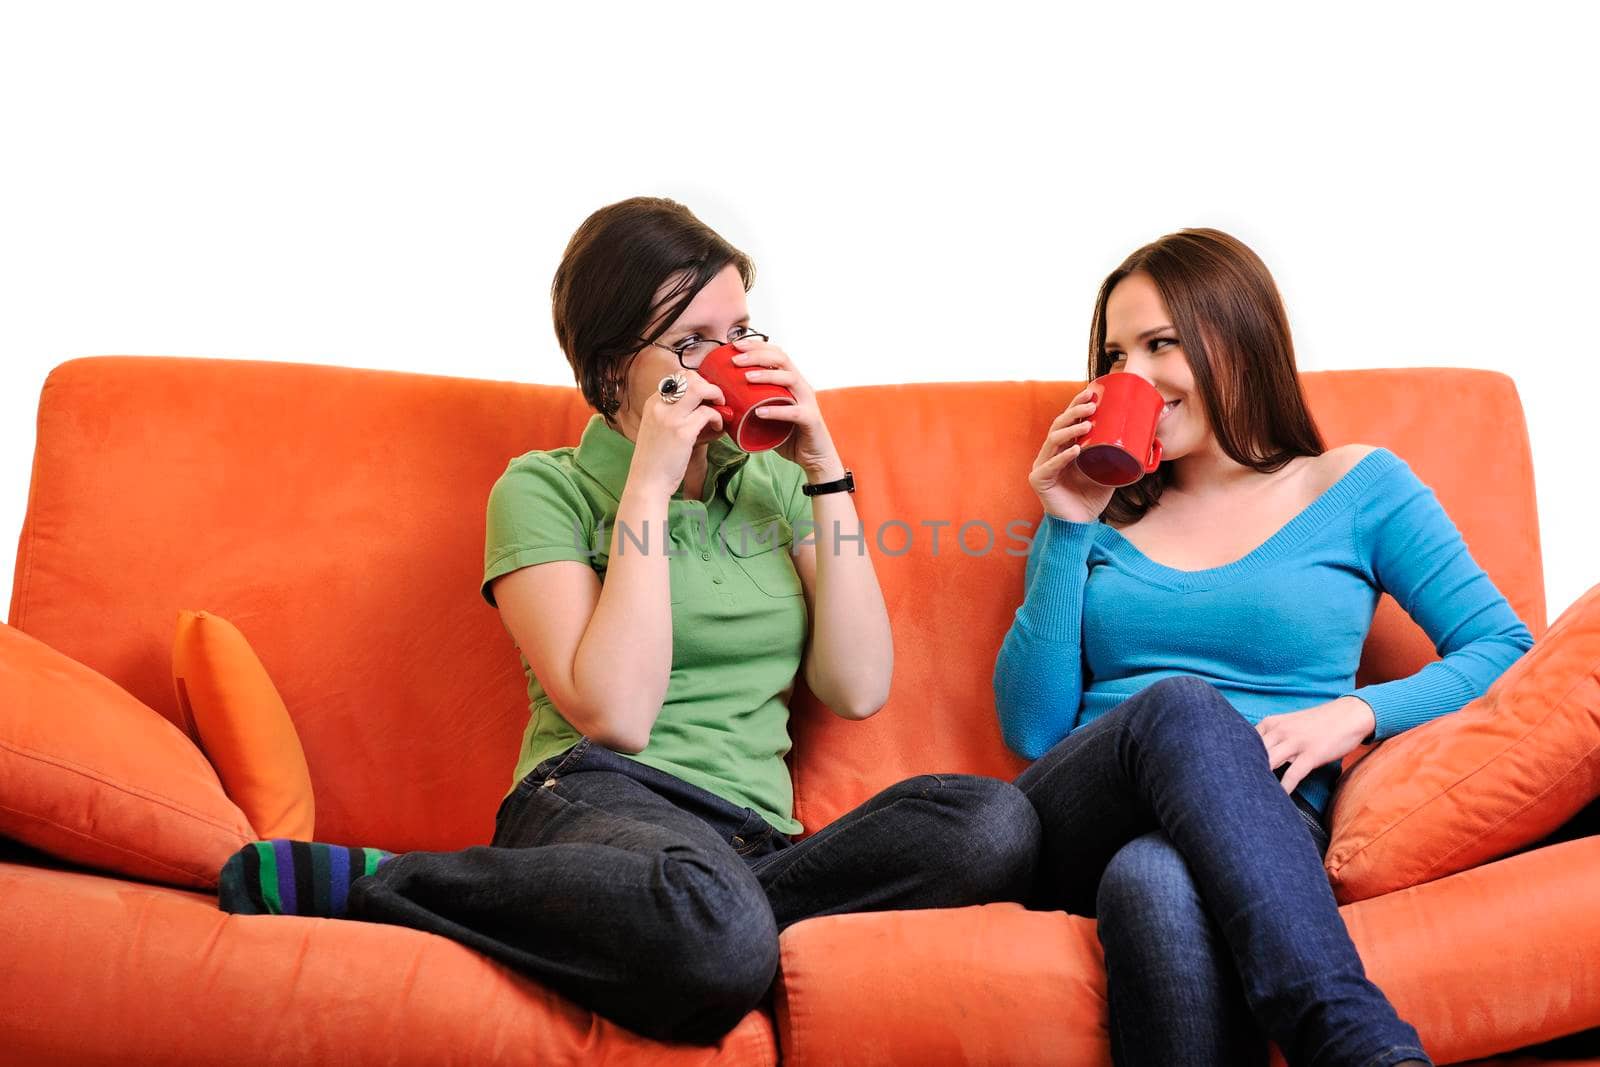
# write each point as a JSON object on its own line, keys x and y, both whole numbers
{"x": 1038, "y": 677}
{"x": 1417, "y": 556}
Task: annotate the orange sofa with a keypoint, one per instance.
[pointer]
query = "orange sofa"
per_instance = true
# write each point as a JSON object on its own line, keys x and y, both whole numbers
{"x": 336, "y": 516}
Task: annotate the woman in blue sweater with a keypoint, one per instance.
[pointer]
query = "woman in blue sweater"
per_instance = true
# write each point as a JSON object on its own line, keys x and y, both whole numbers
{"x": 1185, "y": 641}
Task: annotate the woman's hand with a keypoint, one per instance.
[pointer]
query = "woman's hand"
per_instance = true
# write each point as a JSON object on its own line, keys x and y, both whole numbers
{"x": 810, "y": 445}
{"x": 668, "y": 433}
{"x": 1308, "y": 739}
{"x": 1064, "y": 490}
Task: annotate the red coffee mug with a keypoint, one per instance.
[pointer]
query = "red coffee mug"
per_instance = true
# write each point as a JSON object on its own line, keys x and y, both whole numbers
{"x": 1122, "y": 446}
{"x": 741, "y": 415}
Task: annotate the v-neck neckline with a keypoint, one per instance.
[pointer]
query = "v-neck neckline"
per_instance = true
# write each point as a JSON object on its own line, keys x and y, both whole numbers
{"x": 1309, "y": 519}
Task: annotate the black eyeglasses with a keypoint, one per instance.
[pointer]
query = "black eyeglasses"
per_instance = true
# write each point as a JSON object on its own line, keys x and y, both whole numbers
{"x": 694, "y": 349}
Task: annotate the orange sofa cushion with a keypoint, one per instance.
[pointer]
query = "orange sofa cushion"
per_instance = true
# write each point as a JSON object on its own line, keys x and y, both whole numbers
{"x": 90, "y": 774}
{"x": 242, "y": 725}
{"x": 989, "y": 984}
{"x": 114, "y": 972}
{"x": 998, "y": 985}
{"x": 1503, "y": 772}
{"x": 343, "y": 513}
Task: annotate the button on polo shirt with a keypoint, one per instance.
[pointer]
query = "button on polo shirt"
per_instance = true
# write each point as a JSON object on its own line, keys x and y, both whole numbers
{"x": 739, "y": 619}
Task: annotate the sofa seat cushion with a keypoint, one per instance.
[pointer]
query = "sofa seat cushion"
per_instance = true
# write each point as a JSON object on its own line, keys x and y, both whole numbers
{"x": 992, "y": 984}
{"x": 103, "y": 970}
{"x": 1004, "y": 986}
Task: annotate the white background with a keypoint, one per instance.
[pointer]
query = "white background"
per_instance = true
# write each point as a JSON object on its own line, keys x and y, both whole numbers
{"x": 929, "y": 193}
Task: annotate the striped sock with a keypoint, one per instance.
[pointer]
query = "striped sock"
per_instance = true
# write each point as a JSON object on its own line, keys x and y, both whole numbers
{"x": 285, "y": 877}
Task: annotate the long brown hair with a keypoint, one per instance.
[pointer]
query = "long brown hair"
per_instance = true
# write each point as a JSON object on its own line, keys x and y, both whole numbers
{"x": 603, "y": 298}
{"x": 1233, "y": 329}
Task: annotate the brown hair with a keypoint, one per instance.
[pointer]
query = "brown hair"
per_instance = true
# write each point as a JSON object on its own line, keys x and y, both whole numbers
{"x": 603, "y": 297}
{"x": 1232, "y": 327}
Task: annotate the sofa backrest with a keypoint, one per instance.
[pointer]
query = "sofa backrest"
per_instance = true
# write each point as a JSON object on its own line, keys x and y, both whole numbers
{"x": 962, "y": 452}
{"x": 336, "y": 517}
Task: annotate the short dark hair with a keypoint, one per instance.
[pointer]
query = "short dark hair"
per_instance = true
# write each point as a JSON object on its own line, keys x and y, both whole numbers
{"x": 1233, "y": 329}
{"x": 604, "y": 294}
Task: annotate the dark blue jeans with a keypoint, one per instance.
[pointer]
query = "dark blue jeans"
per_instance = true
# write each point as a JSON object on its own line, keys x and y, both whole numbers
{"x": 1162, "y": 819}
{"x": 658, "y": 904}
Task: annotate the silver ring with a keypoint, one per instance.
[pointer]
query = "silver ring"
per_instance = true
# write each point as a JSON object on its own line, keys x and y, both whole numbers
{"x": 672, "y": 387}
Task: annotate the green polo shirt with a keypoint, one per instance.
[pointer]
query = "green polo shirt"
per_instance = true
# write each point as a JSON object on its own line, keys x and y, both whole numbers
{"x": 739, "y": 619}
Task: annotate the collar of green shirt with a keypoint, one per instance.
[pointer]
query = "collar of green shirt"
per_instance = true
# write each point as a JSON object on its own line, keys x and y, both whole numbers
{"x": 605, "y": 455}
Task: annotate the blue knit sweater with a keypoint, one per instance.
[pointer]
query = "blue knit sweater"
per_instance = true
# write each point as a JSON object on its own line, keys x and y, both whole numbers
{"x": 1279, "y": 630}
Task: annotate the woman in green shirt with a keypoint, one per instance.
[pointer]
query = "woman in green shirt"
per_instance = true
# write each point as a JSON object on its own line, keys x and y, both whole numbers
{"x": 664, "y": 591}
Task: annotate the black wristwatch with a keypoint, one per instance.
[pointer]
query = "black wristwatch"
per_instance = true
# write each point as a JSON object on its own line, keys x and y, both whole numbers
{"x": 847, "y": 484}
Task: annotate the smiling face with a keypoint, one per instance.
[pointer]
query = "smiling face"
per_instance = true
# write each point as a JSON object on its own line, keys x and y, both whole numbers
{"x": 711, "y": 315}
{"x": 1141, "y": 340}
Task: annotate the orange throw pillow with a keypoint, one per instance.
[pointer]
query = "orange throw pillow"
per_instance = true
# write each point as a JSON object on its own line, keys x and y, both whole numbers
{"x": 242, "y": 725}
{"x": 1503, "y": 772}
{"x": 92, "y": 775}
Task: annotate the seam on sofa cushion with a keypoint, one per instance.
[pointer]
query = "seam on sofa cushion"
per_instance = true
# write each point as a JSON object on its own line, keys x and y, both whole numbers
{"x": 187, "y": 872}
{"x": 168, "y": 802}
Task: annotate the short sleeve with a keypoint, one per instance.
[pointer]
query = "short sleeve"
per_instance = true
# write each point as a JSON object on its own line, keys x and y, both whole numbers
{"x": 535, "y": 515}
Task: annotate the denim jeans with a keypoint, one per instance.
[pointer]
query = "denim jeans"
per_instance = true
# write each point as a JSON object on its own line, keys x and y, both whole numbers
{"x": 1163, "y": 820}
{"x": 658, "y": 904}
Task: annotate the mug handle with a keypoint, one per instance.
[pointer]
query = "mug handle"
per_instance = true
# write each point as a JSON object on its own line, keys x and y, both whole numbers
{"x": 1155, "y": 457}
